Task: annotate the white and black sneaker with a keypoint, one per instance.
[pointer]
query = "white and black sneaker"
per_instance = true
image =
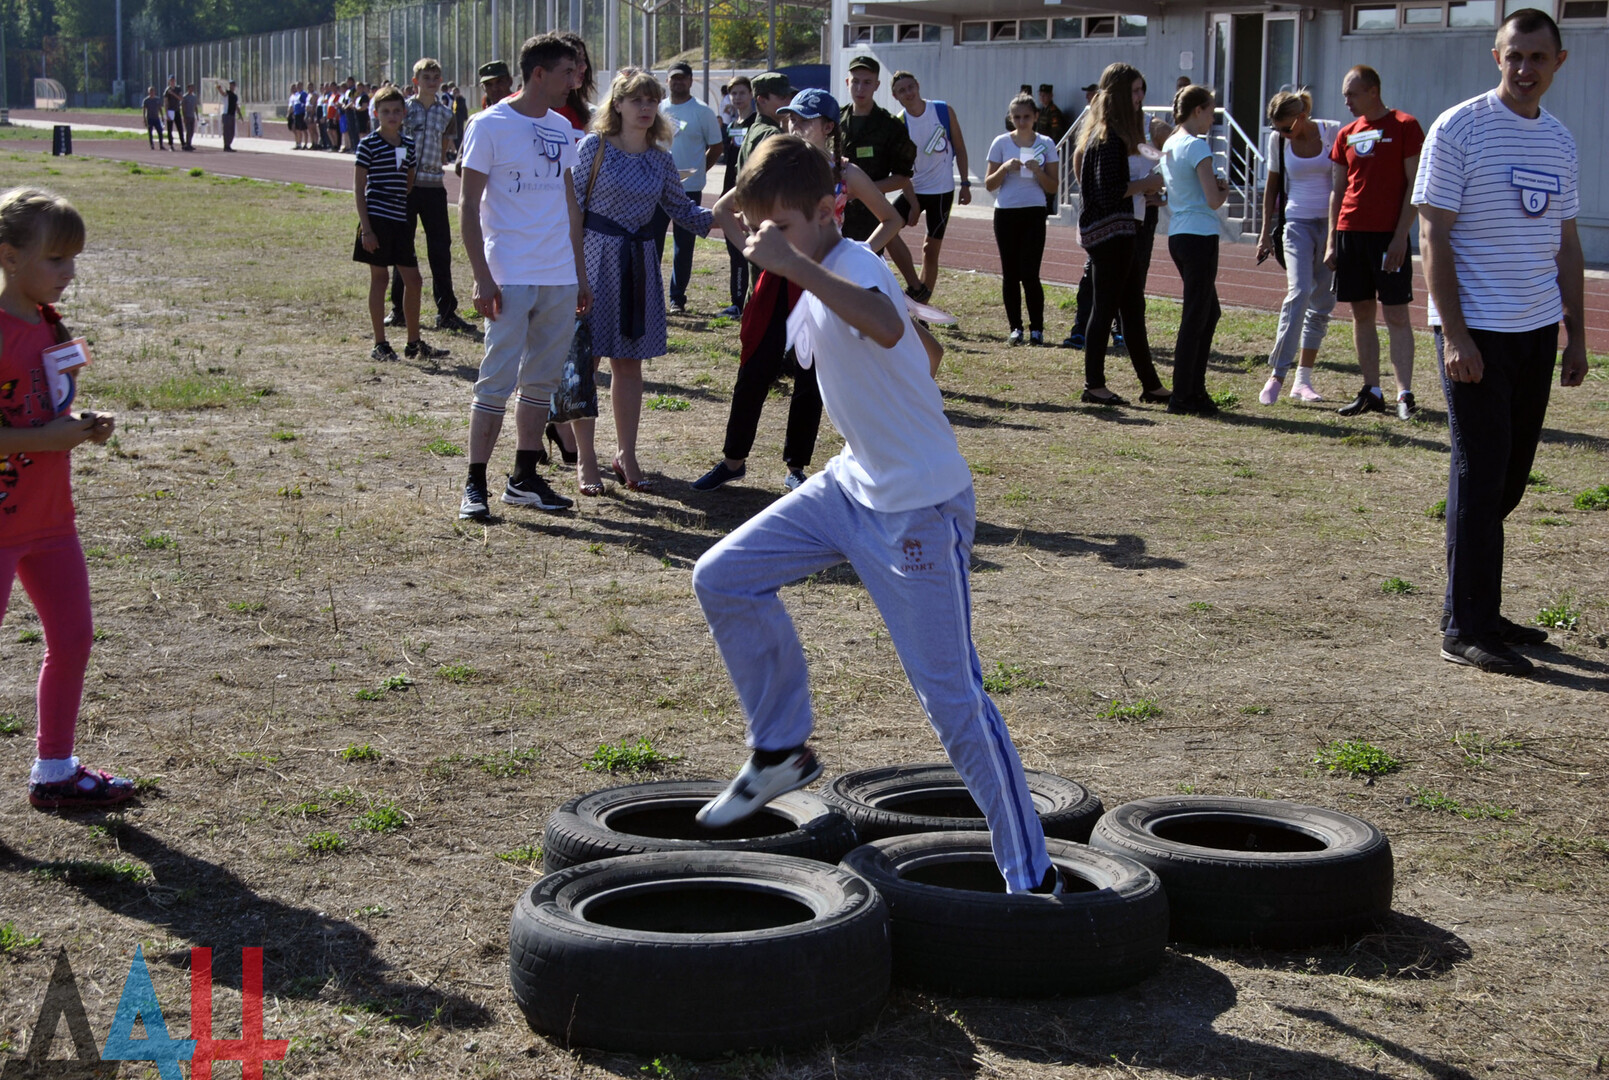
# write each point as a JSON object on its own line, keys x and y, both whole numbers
{"x": 473, "y": 508}
{"x": 534, "y": 491}
{"x": 767, "y": 775}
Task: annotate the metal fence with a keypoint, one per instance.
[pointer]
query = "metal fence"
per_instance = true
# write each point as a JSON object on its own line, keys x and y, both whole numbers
{"x": 462, "y": 34}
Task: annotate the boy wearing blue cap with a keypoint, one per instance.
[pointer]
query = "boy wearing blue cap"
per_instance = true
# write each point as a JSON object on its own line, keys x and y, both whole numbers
{"x": 896, "y": 503}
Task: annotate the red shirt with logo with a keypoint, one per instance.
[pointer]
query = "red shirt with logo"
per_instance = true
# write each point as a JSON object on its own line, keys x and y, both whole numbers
{"x": 1374, "y": 153}
{"x": 36, "y": 499}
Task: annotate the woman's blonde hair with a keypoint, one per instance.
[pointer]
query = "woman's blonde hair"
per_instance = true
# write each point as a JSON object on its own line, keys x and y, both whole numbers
{"x": 31, "y": 216}
{"x": 631, "y": 82}
{"x": 1288, "y": 103}
{"x": 1112, "y": 114}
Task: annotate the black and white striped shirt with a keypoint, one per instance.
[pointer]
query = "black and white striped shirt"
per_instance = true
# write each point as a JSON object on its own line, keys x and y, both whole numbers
{"x": 386, "y": 187}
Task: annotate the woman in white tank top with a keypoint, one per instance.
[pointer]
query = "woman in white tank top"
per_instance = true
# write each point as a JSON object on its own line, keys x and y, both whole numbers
{"x": 1298, "y": 174}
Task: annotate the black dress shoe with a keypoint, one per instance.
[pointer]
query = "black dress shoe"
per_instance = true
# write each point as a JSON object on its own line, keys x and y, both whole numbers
{"x": 1508, "y": 631}
{"x": 1088, "y": 397}
{"x": 1366, "y": 401}
{"x": 1156, "y": 397}
{"x": 1488, "y": 654}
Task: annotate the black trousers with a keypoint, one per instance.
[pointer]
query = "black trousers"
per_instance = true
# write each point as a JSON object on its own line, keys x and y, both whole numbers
{"x": 1495, "y": 425}
{"x": 427, "y": 206}
{"x": 1117, "y": 281}
{"x": 174, "y": 124}
{"x": 1144, "y": 243}
{"x": 1019, "y": 233}
{"x": 229, "y": 132}
{"x": 764, "y": 366}
{"x": 738, "y": 281}
{"x": 1197, "y": 260}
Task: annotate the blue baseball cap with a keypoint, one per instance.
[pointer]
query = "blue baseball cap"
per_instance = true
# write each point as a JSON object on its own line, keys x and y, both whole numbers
{"x": 813, "y": 105}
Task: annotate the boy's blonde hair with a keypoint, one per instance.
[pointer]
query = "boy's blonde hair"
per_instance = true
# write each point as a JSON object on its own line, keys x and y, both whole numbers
{"x": 629, "y": 83}
{"x": 385, "y": 94}
{"x": 33, "y": 219}
{"x": 786, "y": 172}
{"x": 424, "y": 64}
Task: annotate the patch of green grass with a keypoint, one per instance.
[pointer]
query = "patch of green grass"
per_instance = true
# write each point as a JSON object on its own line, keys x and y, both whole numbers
{"x": 1018, "y": 495}
{"x": 372, "y": 911}
{"x": 667, "y": 403}
{"x": 1397, "y": 587}
{"x": 178, "y": 393}
{"x": 1225, "y": 399}
{"x": 283, "y": 435}
{"x": 1244, "y": 472}
{"x": 13, "y": 940}
{"x": 369, "y": 693}
{"x": 29, "y": 637}
{"x": 247, "y": 607}
{"x": 1255, "y": 710}
{"x": 360, "y": 753}
{"x": 1437, "y": 510}
{"x": 324, "y": 842}
{"x": 501, "y": 763}
{"x": 1539, "y": 484}
{"x": 1143, "y": 709}
{"x": 1200, "y": 605}
{"x": 1006, "y": 678}
{"x": 1593, "y": 499}
{"x": 384, "y": 818}
{"x": 1185, "y": 789}
{"x": 444, "y": 447}
{"x": 1561, "y": 614}
{"x": 721, "y": 322}
{"x": 529, "y": 854}
{"x": 158, "y": 541}
{"x": 456, "y": 673}
{"x": 10, "y": 725}
{"x": 1477, "y": 747}
{"x": 82, "y": 871}
{"x": 1573, "y": 846}
{"x": 1356, "y": 758}
{"x": 1554, "y": 522}
{"x": 626, "y": 756}
{"x": 1444, "y": 803}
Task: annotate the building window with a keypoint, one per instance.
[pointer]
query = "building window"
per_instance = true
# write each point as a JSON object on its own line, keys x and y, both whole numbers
{"x": 1579, "y": 10}
{"x": 1072, "y": 28}
{"x": 1454, "y": 15}
{"x": 860, "y": 34}
{"x": 1472, "y": 13}
{"x": 1374, "y": 18}
{"x": 930, "y": 33}
{"x": 891, "y": 34}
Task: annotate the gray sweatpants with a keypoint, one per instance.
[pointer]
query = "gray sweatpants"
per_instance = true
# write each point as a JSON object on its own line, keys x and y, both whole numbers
{"x": 915, "y": 566}
{"x": 1304, "y": 318}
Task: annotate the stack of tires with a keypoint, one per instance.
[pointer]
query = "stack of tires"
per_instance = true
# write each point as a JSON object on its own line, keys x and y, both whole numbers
{"x": 651, "y": 934}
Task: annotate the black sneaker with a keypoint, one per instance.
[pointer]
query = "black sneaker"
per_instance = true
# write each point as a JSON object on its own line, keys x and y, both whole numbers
{"x": 393, "y": 318}
{"x": 1508, "y": 631}
{"x": 719, "y": 476}
{"x": 1073, "y": 341}
{"x": 535, "y": 491}
{"x": 455, "y": 323}
{"x": 677, "y": 307}
{"x": 1488, "y": 654}
{"x": 423, "y": 350}
{"x": 473, "y": 508}
{"x": 1406, "y": 405}
{"x": 383, "y": 351}
{"x": 1366, "y": 401}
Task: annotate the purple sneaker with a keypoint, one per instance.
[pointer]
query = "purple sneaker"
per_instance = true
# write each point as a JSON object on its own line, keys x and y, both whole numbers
{"x": 86, "y": 789}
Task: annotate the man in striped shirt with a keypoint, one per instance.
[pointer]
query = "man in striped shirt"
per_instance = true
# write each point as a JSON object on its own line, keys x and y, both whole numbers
{"x": 1497, "y": 194}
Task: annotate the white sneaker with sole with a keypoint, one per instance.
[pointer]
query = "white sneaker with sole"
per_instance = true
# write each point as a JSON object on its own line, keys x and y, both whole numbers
{"x": 757, "y": 785}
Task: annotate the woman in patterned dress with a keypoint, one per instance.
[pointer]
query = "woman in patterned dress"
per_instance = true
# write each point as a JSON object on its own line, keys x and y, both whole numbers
{"x": 627, "y": 321}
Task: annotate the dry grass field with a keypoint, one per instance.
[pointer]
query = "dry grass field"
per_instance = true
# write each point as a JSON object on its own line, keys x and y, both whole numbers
{"x": 351, "y": 714}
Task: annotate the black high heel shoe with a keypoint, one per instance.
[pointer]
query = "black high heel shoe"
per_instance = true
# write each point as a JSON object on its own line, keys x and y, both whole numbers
{"x": 551, "y": 433}
{"x": 1088, "y": 397}
{"x": 1158, "y": 396}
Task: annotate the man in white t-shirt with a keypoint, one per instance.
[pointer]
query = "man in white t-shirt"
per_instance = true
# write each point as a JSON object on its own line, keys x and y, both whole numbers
{"x": 522, "y": 231}
{"x": 695, "y": 146}
{"x": 940, "y": 150}
{"x": 896, "y": 504}
{"x": 1497, "y": 195}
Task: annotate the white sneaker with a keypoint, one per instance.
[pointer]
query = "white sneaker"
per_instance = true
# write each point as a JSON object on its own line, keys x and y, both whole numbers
{"x": 757, "y": 785}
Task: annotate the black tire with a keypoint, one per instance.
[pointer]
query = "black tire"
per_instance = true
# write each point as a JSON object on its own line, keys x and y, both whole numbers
{"x": 956, "y": 929}
{"x": 641, "y": 818}
{"x": 1257, "y": 872}
{"x": 696, "y": 953}
{"x": 899, "y": 800}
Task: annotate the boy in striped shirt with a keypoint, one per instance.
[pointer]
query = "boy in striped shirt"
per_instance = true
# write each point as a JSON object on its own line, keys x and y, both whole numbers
{"x": 384, "y": 174}
{"x": 1497, "y": 194}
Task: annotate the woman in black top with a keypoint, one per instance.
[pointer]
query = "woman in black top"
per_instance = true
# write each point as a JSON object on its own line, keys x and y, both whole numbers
{"x": 1109, "y": 229}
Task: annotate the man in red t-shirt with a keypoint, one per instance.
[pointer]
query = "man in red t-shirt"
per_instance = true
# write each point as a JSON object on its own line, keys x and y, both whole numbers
{"x": 1374, "y": 160}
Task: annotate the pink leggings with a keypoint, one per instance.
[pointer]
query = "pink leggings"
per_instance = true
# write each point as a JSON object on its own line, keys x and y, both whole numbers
{"x": 53, "y": 572}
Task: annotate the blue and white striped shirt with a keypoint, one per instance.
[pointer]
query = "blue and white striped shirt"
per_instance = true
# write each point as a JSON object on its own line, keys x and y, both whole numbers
{"x": 385, "y": 188}
{"x": 1512, "y": 182}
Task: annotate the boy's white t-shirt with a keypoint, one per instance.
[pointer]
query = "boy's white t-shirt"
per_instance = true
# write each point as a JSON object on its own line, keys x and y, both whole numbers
{"x": 524, "y": 215}
{"x": 1513, "y": 182}
{"x": 899, "y": 452}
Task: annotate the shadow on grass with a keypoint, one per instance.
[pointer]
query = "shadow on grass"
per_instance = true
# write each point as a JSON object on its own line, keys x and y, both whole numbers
{"x": 307, "y": 954}
{"x": 1404, "y": 948}
{"x": 1125, "y": 550}
{"x": 1588, "y": 676}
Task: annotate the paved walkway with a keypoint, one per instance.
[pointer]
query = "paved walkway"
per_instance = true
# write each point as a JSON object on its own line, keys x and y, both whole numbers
{"x": 969, "y": 243}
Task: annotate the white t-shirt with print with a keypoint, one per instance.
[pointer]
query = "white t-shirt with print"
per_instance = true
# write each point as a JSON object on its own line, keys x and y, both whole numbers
{"x": 1018, "y": 189}
{"x": 524, "y": 215}
{"x": 935, "y": 156}
{"x": 899, "y": 452}
{"x": 1307, "y": 189}
{"x": 1512, "y": 182}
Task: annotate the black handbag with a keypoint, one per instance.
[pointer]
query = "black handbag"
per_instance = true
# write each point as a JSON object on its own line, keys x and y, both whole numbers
{"x": 576, "y": 397}
{"x": 1284, "y": 188}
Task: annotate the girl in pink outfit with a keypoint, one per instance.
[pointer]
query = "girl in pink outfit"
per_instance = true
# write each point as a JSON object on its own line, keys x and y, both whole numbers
{"x": 40, "y": 237}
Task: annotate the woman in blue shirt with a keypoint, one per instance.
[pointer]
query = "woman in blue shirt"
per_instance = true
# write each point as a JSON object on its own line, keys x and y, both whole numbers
{"x": 1195, "y": 193}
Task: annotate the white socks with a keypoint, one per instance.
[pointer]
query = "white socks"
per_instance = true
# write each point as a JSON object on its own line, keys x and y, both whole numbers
{"x": 1304, "y": 376}
{"x": 53, "y": 771}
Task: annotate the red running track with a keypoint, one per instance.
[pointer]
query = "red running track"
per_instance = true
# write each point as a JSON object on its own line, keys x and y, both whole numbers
{"x": 968, "y": 245}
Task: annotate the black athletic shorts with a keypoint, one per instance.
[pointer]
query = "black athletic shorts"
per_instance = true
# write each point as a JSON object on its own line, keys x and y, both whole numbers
{"x": 1360, "y": 273}
{"x": 396, "y": 244}
{"x": 936, "y": 207}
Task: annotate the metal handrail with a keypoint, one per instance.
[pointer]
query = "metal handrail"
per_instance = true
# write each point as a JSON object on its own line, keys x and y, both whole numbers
{"x": 1241, "y": 157}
